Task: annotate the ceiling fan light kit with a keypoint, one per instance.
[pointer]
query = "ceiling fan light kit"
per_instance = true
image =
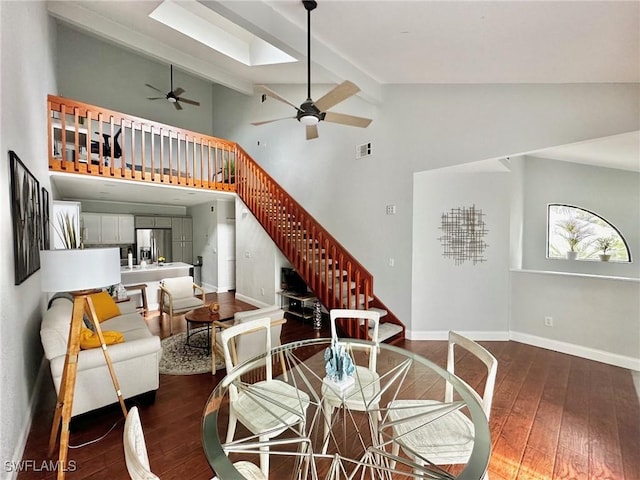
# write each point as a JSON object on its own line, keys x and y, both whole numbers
{"x": 310, "y": 113}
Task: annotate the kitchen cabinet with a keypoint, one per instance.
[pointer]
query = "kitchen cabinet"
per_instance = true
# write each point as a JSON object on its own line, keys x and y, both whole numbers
{"x": 107, "y": 229}
{"x": 182, "y": 239}
{"x": 142, "y": 221}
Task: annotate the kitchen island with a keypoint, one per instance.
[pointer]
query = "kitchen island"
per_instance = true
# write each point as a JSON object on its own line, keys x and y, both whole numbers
{"x": 151, "y": 275}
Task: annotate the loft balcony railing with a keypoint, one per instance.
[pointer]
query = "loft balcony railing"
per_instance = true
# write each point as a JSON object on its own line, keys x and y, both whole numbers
{"x": 90, "y": 140}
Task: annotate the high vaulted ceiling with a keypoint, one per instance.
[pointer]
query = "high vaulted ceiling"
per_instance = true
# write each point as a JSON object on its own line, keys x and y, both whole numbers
{"x": 373, "y": 43}
{"x": 393, "y": 41}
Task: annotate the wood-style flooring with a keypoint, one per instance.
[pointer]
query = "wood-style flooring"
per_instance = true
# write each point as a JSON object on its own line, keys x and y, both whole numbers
{"x": 554, "y": 416}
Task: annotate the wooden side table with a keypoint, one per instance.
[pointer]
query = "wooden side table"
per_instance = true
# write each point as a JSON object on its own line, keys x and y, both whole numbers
{"x": 143, "y": 290}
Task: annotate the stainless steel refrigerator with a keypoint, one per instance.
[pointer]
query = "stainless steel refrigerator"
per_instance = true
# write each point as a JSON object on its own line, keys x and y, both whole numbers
{"x": 152, "y": 243}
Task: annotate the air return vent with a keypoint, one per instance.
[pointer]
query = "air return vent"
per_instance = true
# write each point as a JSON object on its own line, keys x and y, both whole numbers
{"x": 363, "y": 150}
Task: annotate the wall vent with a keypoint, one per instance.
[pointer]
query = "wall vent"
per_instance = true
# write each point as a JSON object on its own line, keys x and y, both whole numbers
{"x": 363, "y": 150}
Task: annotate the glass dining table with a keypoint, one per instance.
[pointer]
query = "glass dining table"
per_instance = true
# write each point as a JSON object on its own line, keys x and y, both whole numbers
{"x": 359, "y": 443}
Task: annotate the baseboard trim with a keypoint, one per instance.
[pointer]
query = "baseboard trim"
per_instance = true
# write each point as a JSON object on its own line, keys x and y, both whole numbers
{"x": 444, "y": 335}
{"x": 578, "y": 350}
{"x": 18, "y": 452}
{"x": 251, "y": 301}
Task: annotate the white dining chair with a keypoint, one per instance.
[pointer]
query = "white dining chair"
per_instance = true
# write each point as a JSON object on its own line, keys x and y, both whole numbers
{"x": 135, "y": 448}
{"x": 441, "y": 439}
{"x": 266, "y": 408}
{"x": 248, "y": 470}
{"x": 364, "y": 395}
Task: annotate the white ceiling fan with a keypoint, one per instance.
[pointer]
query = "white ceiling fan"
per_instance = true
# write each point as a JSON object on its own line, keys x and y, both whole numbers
{"x": 310, "y": 113}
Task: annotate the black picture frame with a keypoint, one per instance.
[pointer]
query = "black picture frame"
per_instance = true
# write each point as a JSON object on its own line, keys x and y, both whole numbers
{"x": 27, "y": 219}
{"x": 46, "y": 229}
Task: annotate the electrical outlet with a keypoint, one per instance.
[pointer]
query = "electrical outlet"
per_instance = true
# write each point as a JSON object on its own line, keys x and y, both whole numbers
{"x": 392, "y": 262}
{"x": 262, "y": 291}
{"x": 548, "y": 321}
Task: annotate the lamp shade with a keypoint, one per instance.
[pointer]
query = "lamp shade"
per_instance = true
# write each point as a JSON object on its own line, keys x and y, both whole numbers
{"x": 79, "y": 269}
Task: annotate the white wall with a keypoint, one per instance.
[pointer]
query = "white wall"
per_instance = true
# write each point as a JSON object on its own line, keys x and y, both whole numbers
{"x": 611, "y": 193}
{"x": 256, "y": 253}
{"x": 416, "y": 128}
{"x": 467, "y": 298}
{"x": 593, "y": 317}
{"x": 27, "y": 57}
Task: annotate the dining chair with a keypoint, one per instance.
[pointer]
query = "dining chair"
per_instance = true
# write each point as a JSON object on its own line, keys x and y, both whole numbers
{"x": 364, "y": 395}
{"x": 248, "y": 470}
{"x": 429, "y": 437}
{"x": 135, "y": 448}
{"x": 177, "y": 295}
{"x": 268, "y": 407}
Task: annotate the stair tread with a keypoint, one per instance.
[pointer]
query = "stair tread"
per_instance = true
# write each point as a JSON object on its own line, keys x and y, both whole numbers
{"x": 387, "y": 330}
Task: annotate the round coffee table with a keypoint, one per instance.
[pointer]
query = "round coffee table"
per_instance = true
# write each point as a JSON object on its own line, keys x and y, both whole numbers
{"x": 202, "y": 317}
{"x": 198, "y": 319}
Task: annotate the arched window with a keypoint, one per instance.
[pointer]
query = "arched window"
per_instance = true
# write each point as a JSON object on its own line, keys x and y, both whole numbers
{"x": 578, "y": 234}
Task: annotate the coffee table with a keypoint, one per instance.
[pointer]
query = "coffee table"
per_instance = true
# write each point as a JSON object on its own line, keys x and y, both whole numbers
{"x": 202, "y": 317}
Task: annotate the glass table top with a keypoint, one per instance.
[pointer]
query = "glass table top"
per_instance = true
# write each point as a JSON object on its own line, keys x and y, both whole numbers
{"x": 346, "y": 431}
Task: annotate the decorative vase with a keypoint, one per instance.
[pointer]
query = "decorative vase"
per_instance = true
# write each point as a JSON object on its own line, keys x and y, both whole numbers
{"x": 604, "y": 257}
{"x": 572, "y": 255}
{"x": 317, "y": 315}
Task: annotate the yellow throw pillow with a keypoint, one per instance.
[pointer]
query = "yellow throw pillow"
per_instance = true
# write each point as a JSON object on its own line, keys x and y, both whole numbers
{"x": 89, "y": 339}
{"x": 104, "y": 305}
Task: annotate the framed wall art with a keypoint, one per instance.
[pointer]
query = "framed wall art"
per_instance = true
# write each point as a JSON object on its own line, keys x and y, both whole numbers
{"x": 27, "y": 221}
{"x": 46, "y": 241}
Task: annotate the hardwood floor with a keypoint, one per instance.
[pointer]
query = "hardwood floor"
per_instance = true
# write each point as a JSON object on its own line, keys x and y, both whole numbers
{"x": 554, "y": 416}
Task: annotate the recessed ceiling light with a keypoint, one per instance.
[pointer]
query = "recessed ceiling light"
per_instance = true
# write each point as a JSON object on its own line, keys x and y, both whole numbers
{"x": 213, "y": 30}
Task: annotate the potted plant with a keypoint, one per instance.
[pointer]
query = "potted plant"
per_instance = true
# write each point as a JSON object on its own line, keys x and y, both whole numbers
{"x": 604, "y": 245}
{"x": 574, "y": 233}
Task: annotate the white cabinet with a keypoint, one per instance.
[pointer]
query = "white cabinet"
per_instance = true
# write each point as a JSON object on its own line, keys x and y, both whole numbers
{"x": 92, "y": 228}
{"x": 142, "y": 221}
{"x": 182, "y": 239}
{"x": 126, "y": 230}
{"x": 107, "y": 229}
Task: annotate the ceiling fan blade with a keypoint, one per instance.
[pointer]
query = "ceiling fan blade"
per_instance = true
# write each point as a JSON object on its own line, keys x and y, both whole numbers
{"x": 156, "y": 98}
{"x": 190, "y": 102}
{"x": 269, "y": 121}
{"x": 156, "y": 89}
{"x": 272, "y": 94}
{"x": 312, "y": 132}
{"x": 344, "y": 119}
{"x": 343, "y": 91}
{"x": 177, "y": 105}
{"x": 178, "y": 91}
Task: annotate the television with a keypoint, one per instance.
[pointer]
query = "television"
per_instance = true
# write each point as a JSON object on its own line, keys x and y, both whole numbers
{"x": 292, "y": 282}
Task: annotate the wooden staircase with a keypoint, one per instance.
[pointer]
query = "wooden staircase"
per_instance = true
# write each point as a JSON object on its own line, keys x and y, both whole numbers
{"x": 156, "y": 153}
{"x": 330, "y": 271}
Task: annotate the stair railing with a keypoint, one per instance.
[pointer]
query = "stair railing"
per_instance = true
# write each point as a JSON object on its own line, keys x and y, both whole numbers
{"x": 332, "y": 273}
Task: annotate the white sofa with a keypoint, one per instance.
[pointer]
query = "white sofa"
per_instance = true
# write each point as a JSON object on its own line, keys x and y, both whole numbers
{"x": 135, "y": 361}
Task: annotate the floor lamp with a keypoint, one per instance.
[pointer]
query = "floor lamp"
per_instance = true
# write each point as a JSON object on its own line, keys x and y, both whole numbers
{"x": 80, "y": 272}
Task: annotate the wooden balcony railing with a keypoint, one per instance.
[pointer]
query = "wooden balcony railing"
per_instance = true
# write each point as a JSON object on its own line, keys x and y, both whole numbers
{"x": 101, "y": 142}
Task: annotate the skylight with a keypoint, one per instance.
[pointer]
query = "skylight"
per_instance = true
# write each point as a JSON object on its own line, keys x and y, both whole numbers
{"x": 193, "y": 19}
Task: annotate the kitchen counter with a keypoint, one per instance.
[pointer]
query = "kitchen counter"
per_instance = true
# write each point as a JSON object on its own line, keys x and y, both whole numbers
{"x": 151, "y": 275}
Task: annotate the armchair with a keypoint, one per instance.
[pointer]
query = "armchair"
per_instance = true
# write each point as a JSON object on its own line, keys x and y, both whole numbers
{"x": 177, "y": 296}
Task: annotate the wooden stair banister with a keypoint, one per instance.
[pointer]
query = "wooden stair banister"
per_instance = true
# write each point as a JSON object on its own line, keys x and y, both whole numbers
{"x": 152, "y": 152}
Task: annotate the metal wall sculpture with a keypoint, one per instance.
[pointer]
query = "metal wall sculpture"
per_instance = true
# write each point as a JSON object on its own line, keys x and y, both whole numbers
{"x": 463, "y": 232}
{"x": 27, "y": 223}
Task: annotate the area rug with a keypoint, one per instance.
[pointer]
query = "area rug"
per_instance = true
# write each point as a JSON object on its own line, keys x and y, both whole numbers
{"x": 181, "y": 359}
